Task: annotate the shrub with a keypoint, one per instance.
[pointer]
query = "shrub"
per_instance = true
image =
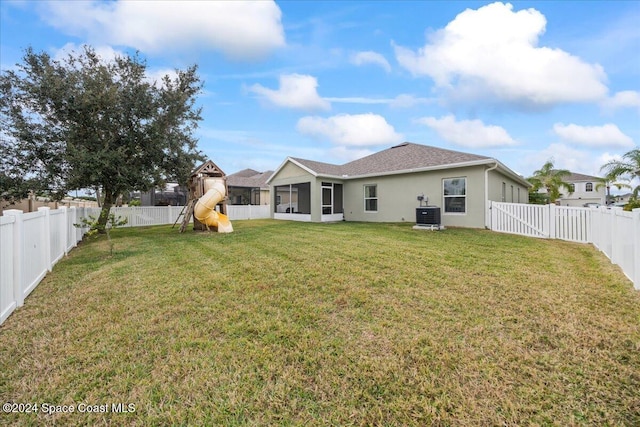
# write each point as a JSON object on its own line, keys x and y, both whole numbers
{"x": 96, "y": 228}
{"x": 633, "y": 204}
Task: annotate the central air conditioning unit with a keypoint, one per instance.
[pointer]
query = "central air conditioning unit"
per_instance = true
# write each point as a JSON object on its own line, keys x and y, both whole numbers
{"x": 428, "y": 215}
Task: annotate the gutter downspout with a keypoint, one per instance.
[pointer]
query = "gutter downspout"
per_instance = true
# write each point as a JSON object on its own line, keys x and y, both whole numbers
{"x": 487, "y": 214}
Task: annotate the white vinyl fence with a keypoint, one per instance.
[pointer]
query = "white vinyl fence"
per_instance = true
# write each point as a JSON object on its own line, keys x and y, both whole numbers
{"x": 236, "y": 212}
{"x": 140, "y": 216}
{"x": 611, "y": 230}
{"x": 32, "y": 243}
{"x": 154, "y": 215}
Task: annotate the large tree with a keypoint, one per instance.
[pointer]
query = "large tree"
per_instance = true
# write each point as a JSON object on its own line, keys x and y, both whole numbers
{"x": 624, "y": 169}
{"x": 85, "y": 122}
{"x": 551, "y": 179}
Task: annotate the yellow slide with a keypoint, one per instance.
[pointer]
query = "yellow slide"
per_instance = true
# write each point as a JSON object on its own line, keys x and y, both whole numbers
{"x": 205, "y": 209}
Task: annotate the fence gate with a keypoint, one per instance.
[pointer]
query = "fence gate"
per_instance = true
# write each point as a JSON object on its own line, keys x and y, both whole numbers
{"x": 520, "y": 218}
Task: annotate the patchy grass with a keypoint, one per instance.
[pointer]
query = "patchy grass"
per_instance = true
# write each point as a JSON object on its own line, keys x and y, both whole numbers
{"x": 287, "y": 323}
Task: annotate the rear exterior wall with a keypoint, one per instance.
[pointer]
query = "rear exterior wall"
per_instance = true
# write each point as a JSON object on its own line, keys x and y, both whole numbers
{"x": 397, "y": 197}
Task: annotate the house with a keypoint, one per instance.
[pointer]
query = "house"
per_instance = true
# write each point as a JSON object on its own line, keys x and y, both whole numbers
{"x": 171, "y": 194}
{"x": 622, "y": 198}
{"x": 248, "y": 187}
{"x": 585, "y": 190}
{"x": 385, "y": 186}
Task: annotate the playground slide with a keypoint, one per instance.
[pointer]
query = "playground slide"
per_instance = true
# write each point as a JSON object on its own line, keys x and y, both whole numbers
{"x": 205, "y": 209}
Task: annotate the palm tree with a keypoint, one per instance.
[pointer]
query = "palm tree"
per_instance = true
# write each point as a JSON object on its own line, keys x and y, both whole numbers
{"x": 624, "y": 169}
{"x": 608, "y": 181}
{"x": 551, "y": 180}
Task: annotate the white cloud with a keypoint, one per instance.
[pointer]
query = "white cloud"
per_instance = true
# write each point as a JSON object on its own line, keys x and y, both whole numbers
{"x": 345, "y": 154}
{"x": 360, "y": 100}
{"x": 239, "y": 29}
{"x": 565, "y": 157}
{"x": 468, "y": 133}
{"x": 351, "y": 130}
{"x": 405, "y": 100}
{"x": 608, "y": 135}
{"x": 494, "y": 51}
{"x": 624, "y": 99}
{"x": 296, "y": 91}
{"x": 400, "y": 101}
{"x": 370, "y": 57}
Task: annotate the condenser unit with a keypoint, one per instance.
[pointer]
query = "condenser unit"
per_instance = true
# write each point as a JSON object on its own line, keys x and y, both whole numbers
{"x": 429, "y": 215}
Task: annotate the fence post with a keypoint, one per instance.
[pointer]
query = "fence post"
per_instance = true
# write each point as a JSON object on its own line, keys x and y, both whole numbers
{"x": 552, "y": 212}
{"x": 18, "y": 230}
{"x": 587, "y": 228}
{"x": 72, "y": 231}
{"x": 490, "y": 215}
{"x": 594, "y": 226}
{"x": 79, "y": 214}
{"x": 615, "y": 248}
{"x": 65, "y": 233}
{"x": 635, "y": 228}
{"x": 46, "y": 234}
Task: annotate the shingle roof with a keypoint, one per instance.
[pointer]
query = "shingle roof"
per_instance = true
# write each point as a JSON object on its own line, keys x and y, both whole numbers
{"x": 320, "y": 167}
{"x": 407, "y": 156}
{"x": 577, "y": 177}
{"x": 401, "y": 157}
{"x": 246, "y": 173}
{"x": 249, "y": 178}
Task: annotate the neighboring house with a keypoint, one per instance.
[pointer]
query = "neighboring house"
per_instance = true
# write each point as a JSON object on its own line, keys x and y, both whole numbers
{"x": 248, "y": 187}
{"x": 171, "y": 194}
{"x": 585, "y": 191}
{"x": 622, "y": 198}
{"x": 384, "y": 187}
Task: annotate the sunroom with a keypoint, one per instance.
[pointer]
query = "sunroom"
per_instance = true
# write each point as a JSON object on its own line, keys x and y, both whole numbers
{"x": 293, "y": 201}
{"x": 309, "y": 201}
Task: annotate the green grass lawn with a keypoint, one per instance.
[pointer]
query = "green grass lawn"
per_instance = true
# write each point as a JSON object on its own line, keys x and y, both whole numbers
{"x": 284, "y": 323}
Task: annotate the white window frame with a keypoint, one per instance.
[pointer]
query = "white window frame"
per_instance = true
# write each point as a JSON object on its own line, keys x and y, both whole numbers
{"x": 444, "y": 197}
{"x": 364, "y": 189}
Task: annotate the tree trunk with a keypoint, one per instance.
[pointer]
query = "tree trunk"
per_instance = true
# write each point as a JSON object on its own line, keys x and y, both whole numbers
{"x": 98, "y": 197}
{"x": 106, "y": 208}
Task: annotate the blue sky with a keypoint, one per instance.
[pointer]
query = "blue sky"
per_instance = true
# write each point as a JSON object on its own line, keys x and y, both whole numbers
{"x": 336, "y": 80}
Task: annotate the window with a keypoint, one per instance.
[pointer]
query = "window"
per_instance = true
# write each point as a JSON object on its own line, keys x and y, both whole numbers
{"x": 455, "y": 195}
{"x": 572, "y": 188}
{"x": 370, "y": 198}
{"x": 504, "y": 192}
{"x": 518, "y": 194}
{"x": 512, "y": 194}
{"x": 588, "y": 186}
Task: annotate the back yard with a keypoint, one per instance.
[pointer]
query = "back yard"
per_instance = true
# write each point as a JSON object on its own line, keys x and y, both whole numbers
{"x": 287, "y": 323}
